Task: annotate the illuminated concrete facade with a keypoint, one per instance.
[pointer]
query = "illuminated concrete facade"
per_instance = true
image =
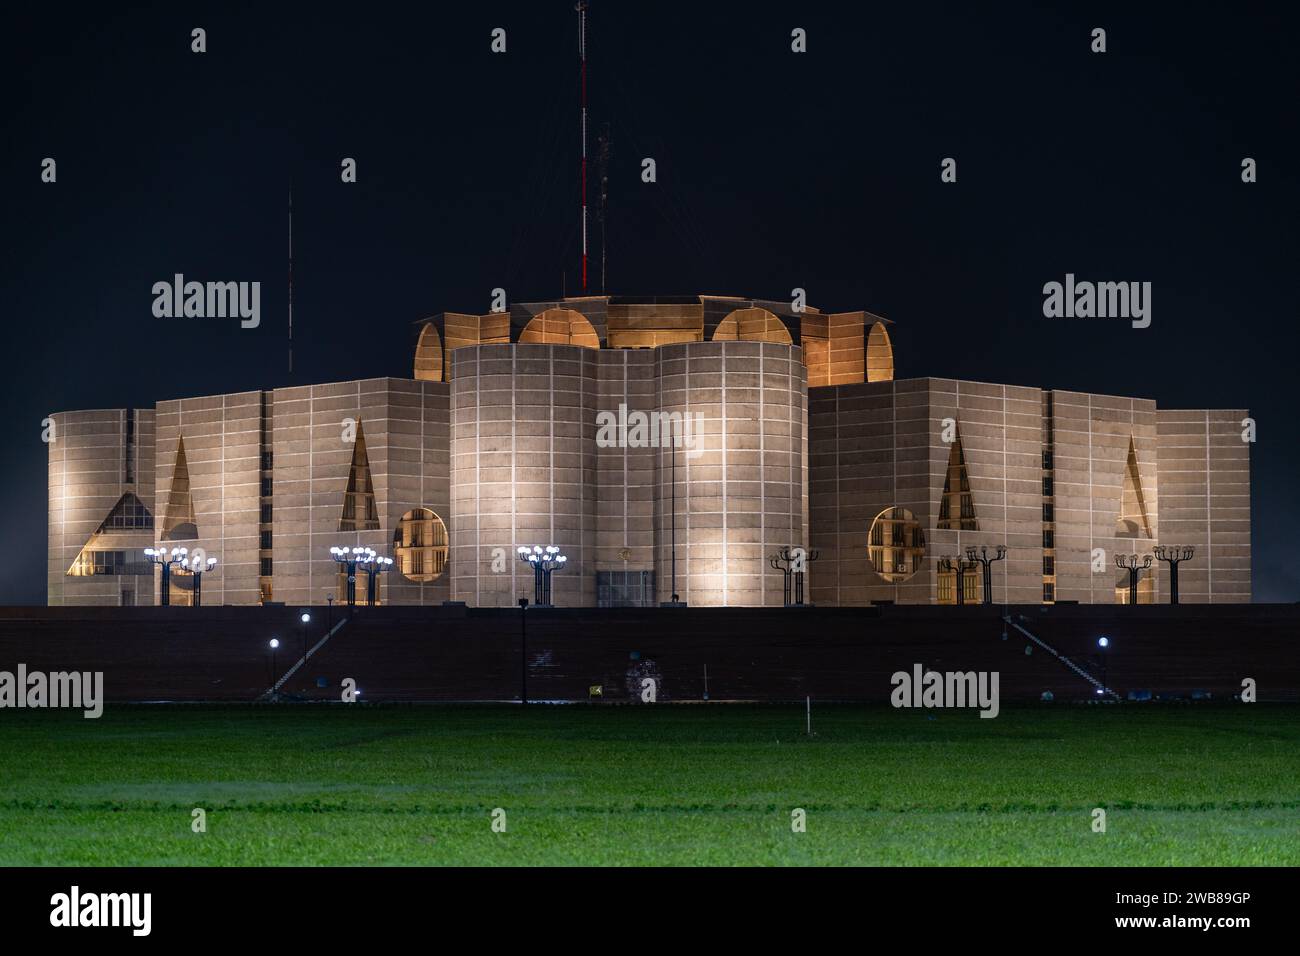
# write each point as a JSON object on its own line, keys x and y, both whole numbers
{"x": 1064, "y": 480}
{"x": 797, "y": 435}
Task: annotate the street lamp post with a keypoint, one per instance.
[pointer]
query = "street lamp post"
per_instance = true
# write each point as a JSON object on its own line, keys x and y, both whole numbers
{"x": 523, "y": 650}
{"x": 808, "y": 558}
{"x": 197, "y": 568}
{"x": 791, "y": 562}
{"x": 304, "y": 619}
{"x": 275, "y": 646}
{"x": 959, "y": 567}
{"x": 375, "y": 566}
{"x": 1103, "y": 643}
{"x": 349, "y": 560}
{"x": 1131, "y": 565}
{"x": 543, "y": 561}
{"x": 983, "y": 558}
{"x": 780, "y": 563}
{"x": 165, "y": 559}
{"x": 1173, "y": 556}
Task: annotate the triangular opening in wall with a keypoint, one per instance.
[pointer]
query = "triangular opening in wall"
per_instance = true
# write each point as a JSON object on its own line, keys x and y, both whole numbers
{"x": 106, "y": 551}
{"x": 359, "y": 511}
{"x": 1132, "y": 521}
{"x": 178, "y": 521}
{"x": 956, "y": 504}
{"x": 129, "y": 514}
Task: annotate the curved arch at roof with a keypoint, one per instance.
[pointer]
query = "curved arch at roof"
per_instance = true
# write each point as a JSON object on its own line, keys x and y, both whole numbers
{"x": 560, "y": 327}
{"x": 428, "y": 355}
{"x": 880, "y": 354}
{"x": 752, "y": 325}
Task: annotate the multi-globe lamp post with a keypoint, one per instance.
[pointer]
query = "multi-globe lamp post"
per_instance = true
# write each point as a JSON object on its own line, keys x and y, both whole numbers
{"x": 792, "y": 563}
{"x": 349, "y": 559}
{"x": 959, "y": 568}
{"x": 1173, "y": 556}
{"x": 376, "y": 564}
{"x": 197, "y": 566}
{"x": 166, "y": 559}
{"x": 543, "y": 561}
{"x": 1131, "y": 565}
{"x": 982, "y": 557}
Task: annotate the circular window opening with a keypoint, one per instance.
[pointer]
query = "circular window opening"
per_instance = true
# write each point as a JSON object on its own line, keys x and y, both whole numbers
{"x": 420, "y": 546}
{"x": 896, "y": 545}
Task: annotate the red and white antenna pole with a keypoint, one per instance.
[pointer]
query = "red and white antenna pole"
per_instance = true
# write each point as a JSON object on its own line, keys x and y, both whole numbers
{"x": 581, "y": 7}
{"x": 290, "y": 276}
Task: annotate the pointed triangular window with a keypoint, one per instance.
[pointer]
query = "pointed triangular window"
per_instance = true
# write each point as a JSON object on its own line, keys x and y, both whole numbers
{"x": 359, "y": 512}
{"x": 1132, "y": 521}
{"x": 129, "y": 514}
{"x": 956, "y": 505}
{"x": 179, "y": 524}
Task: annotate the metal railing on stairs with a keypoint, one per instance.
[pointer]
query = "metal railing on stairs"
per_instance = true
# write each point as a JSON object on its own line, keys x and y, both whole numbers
{"x": 275, "y": 688}
{"x": 1105, "y": 691}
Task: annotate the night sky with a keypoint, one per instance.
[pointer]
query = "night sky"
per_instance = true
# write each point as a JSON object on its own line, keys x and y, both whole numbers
{"x": 775, "y": 170}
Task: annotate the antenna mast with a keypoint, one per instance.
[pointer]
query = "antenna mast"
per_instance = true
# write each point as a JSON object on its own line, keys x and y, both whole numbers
{"x": 581, "y": 7}
{"x": 602, "y": 165}
{"x": 290, "y": 277}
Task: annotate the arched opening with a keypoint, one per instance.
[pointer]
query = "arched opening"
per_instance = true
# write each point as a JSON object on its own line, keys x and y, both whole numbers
{"x": 880, "y": 354}
{"x": 560, "y": 327}
{"x": 428, "y": 355}
{"x": 896, "y": 545}
{"x": 420, "y": 546}
{"x": 752, "y": 325}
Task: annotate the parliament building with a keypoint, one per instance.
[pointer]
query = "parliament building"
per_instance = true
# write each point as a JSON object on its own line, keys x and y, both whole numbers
{"x": 802, "y": 438}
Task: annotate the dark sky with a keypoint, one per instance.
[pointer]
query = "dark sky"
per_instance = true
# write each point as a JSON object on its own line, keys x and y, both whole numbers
{"x": 775, "y": 170}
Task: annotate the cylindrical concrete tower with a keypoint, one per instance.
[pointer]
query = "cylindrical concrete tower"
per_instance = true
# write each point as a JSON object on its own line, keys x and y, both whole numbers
{"x": 523, "y": 469}
{"x": 740, "y": 482}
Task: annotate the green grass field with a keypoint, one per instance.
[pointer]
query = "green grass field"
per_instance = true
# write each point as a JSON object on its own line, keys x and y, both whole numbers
{"x": 650, "y": 785}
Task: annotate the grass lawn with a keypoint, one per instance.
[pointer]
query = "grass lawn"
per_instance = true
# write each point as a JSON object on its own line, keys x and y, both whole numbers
{"x": 706, "y": 784}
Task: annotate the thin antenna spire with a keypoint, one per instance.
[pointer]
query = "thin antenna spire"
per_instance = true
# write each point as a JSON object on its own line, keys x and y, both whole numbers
{"x": 290, "y": 276}
{"x": 581, "y": 7}
{"x": 602, "y": 168}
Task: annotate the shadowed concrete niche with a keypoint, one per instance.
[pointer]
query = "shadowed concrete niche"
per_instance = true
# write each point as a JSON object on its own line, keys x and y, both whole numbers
{"x": 752, "y": 325}
{"x": 1132, "y": 521}
{"x": 560, "y": 327}
{"x": 428, "y": 355}
{"x": 880, "y": 354}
